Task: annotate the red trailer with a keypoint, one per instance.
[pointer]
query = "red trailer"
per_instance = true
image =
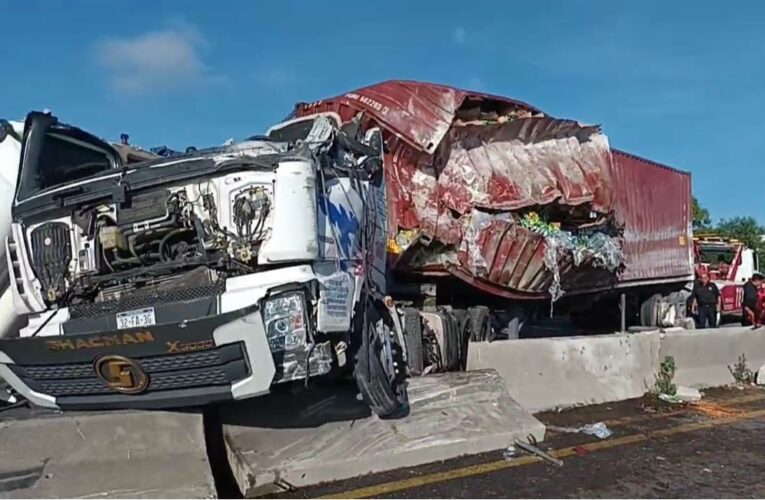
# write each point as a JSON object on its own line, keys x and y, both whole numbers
{"x": 482, "y": 188}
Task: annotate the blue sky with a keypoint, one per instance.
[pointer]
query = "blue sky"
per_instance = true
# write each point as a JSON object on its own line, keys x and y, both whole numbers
{"x": 681, "y": 82}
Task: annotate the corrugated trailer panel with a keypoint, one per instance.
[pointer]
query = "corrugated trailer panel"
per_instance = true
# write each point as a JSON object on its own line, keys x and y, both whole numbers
{"x": 654, "y": 203}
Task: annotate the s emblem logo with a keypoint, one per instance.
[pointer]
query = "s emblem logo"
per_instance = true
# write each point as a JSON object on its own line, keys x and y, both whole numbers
{"x": 121, "y": 374}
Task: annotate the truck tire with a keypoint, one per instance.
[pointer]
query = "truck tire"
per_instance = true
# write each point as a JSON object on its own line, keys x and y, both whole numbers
{"x": 463, "y": 325}
{"x": 680, "y": 300}
{"x": 649, "y": 310}
{"x": 480, "y": 324}
{"x": 413, "y": 339}
{"x": 452, "y": 342}
{"x": 382, "y": 386}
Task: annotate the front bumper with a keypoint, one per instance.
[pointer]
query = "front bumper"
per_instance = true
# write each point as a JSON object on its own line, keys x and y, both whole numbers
{"x": 189, "y": 363}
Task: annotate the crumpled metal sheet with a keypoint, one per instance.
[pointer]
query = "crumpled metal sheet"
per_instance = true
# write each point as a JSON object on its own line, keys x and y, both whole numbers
{"x": 526, "y": 162}
{"x": 419, "y": 113}
{"x": 442, "y": 169}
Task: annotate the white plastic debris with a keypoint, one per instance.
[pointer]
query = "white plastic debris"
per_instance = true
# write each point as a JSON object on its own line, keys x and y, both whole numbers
{"x": 509, "y": 453}
{"x": 683, "y": 394}
{"x": 598, "y": 429}
{"x": 668, "y": 398}
{"x": 688, "y": 394}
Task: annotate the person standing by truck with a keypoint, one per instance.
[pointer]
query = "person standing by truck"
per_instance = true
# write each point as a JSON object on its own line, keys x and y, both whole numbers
{"x": 750, "y": 302}
{"x": 706, "y": 302}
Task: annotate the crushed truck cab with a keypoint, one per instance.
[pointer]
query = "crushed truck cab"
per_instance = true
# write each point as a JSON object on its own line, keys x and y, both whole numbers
{"x": 196, "y": 279}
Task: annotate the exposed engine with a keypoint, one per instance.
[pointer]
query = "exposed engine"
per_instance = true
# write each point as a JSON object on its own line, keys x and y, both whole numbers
{"x": 152, "y": 239}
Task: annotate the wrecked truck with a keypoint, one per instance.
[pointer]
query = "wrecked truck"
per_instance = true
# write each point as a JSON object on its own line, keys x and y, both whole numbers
{"x": 206, "y": 277}
{"x": 500, "y": 213}
{"x": 375, "y": 233}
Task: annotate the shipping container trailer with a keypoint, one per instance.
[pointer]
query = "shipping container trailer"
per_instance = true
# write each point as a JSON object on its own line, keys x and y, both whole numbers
{"x": 466, "y": 171}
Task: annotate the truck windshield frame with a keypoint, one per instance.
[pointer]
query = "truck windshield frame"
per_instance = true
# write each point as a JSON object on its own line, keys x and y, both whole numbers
{"x": 62, "y": 161}
{"x": 55, "y": 156}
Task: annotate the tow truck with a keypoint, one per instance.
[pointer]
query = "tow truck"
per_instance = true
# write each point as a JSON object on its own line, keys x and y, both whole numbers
{"x": 729, "y": 263}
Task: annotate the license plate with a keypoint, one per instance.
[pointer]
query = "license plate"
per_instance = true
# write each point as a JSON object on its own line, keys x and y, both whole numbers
{"x": 136, "y": 319}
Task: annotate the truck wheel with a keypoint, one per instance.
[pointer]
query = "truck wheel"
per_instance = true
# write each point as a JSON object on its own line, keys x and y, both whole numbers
{"x": 680, "y": 301}
{"x": 480, "y": 323}
{"x": 413, "y": 339}
{"x": 452, "y": 342}
{"x": 464, "y": 327}
{"x": 379, "y": 370}
{"x": 649, "y": 311}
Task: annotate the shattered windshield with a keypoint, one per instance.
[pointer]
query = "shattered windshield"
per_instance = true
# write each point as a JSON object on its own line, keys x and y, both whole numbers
{"x": 61, "y": 160}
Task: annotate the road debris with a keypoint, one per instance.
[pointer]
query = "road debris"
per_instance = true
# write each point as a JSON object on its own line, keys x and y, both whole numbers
{"x": 672, "y": 399}
{"x": 6, "y": 393}
{"x": 682, "y": 395}
{"x": 688, "y": 394}
{"x": 598, "y": 429}
{"x": 530, "y": 448}
{"x": 581, "y": 451}
{"x": 648, "y": 409}
{"x": 510, "y": 453}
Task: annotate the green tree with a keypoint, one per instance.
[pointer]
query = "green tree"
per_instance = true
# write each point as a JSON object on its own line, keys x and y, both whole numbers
{"x": 745, "y": 229}
{"x": 701, "y": 218}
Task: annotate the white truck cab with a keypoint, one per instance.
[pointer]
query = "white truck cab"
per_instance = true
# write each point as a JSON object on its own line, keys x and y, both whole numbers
{"x": 200, "y": 278}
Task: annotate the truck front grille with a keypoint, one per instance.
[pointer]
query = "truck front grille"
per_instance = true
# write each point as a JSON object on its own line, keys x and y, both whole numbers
{"x": 51, "y": 248}
{"x": 212, "y": 367}
{"x": 140, "y": 299}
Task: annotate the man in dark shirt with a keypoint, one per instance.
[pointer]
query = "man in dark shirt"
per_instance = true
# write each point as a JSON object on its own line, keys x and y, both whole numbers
{"x": 706, "y": 302}
{"x": 751, "y": 311}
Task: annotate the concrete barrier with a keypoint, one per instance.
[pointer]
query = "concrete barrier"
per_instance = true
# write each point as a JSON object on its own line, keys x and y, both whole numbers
{"x": 289, "y": 440}
{"x": 542, "y": 374}
{"x": 702, "y": 357}
{"x": 106, "y": 455}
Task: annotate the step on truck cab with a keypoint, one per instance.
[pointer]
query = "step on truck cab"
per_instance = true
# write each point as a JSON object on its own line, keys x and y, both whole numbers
{"x": 200, "y": 278}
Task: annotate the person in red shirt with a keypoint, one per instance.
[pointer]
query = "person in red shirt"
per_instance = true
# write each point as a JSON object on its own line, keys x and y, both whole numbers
{"x": 760, "y": 305}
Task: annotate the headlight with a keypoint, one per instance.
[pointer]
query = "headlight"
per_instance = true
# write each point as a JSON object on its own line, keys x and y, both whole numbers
{"x": 284, "y": 318}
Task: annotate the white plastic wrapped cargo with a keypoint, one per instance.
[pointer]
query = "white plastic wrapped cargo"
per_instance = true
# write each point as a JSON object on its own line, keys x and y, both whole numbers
{"x": 10, "y": 152}
{"x": 294, "y": 235}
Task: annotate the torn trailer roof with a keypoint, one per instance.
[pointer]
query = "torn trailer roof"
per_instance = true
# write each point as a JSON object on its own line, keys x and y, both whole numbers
{"x": 516, "y": 202}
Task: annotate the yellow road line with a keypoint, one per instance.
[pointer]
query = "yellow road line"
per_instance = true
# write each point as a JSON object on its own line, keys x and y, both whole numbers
{"x": 478, "y": 469}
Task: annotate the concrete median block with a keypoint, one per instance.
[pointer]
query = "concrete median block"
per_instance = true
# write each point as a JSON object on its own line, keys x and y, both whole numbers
{"x": 702, "y": 357}
{"x": 298, "y": 441}
{"x": 543, "y": 374}
{"x": 105, "y": 455}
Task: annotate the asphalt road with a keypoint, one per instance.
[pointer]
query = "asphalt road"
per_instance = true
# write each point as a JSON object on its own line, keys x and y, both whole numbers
{"x": 710, "y": 449}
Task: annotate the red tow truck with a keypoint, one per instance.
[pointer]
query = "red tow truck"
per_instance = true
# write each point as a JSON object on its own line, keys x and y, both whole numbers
{"x": 729, "y": 263}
